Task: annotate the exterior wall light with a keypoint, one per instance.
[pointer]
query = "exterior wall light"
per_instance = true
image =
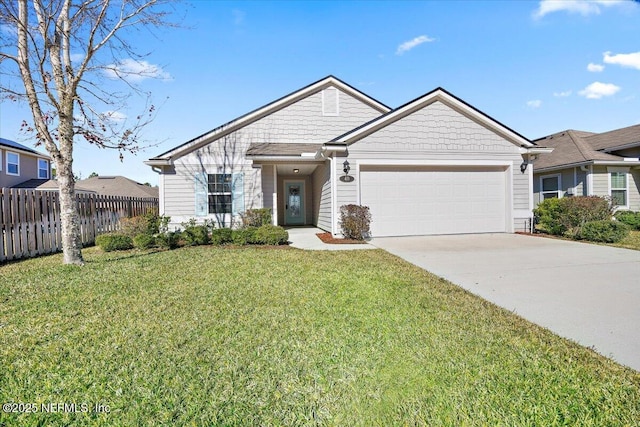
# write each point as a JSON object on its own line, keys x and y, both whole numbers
{"x": 346, "y": 168}
{"x": 296, "y": 170}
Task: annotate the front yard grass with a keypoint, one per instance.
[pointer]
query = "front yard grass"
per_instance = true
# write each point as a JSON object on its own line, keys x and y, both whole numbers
{"x": 273, "y": 336}
{"x": 632, "y": 241}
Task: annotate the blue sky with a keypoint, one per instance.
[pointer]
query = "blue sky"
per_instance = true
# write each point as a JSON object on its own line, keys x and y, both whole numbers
{"x": 537, "y": 67}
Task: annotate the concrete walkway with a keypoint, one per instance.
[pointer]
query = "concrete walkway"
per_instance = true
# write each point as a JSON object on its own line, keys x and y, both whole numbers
{"x": 587, "y": 293}
{"x": 305, "y": 238}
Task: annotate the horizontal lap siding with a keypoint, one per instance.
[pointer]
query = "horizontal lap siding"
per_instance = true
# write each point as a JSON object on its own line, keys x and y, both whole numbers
{"x": 634, "y": 190}
{"x": 439, "y": 133}
{"x": 301, "y": 122}
{"x": 322, "y": 196}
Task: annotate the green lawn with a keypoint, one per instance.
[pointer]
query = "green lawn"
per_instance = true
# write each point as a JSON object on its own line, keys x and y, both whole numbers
{"x": 632, "y": 241}
{"x": 278, "y": 336}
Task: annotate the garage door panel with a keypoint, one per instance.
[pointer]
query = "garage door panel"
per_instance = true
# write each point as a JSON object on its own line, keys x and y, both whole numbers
{"x": 434, "y": 201}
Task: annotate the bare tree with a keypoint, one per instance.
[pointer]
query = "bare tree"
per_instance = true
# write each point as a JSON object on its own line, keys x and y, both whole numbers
{"x": 57, "y": 54}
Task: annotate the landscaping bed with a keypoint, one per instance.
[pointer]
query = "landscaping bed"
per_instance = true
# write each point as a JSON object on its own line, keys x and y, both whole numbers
{"x": 328, "y": 238}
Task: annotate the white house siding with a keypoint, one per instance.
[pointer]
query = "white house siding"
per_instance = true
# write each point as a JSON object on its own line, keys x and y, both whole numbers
{"x": 268, "y": 186}
{"x": 581, "y": 182}
{"x": 301, "y": 122}
{"x": 321, "y": 179}
{"x": 634, "y": 190}
{"x": 439, "y": 133}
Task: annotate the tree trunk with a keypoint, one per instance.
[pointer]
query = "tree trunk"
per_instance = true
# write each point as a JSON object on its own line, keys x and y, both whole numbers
{"x": 71, "y": 238}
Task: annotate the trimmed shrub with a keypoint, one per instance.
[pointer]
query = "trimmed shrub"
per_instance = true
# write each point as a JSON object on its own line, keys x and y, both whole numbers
{"x": 632, "y": 219}
{"x": 271, "y": 235}
{"x": 220, "y": 236}
{"x": 568, "y": 215}
{"x": 114, "y": 242}
{"x": 355, "y": 221}
{"x": 604, "y": 231}
{"x": 168, "y": 239}
{"x": 144, "y": 241}
{"x": 244, "y": 236}
{"x": 195, "y": 234}
{"x": 256, "y": 217}
{"x": 133, "y": 226}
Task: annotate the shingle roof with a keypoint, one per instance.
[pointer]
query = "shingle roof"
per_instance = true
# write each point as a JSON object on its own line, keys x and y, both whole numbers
{"x": 281, "y": 149}
{"x": 615, "y": 138}
{"x": 47, "y": 185}
{"x": 572, "y": 146}
{"x": 12, "y": 144}
{"x": 118, "y": 186}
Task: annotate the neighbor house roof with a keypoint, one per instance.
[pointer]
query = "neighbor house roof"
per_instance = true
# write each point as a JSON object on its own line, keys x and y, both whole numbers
{"x": 118, "y": 186}
{"x": 7, "y": 143}
{"x": 47, "y": 185}
{"x": 263, "y": 111}
{"x": 572, "y": 147}
{"x": 441, "y": 95}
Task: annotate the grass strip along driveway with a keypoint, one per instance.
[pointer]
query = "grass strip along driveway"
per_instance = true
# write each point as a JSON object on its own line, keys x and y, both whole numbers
{"x": 268, "y": 336}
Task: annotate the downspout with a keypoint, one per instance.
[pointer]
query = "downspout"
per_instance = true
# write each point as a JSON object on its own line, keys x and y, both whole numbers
{"x": 334, "y": 196}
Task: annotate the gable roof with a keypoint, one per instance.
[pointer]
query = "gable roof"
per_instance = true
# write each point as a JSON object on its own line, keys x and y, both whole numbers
{"x": 263, "y": 111}
{"x": 572, "y": 147}
{"x": 118, "y": 186}
{"x": 7, "y": 143}
{"x": 437, "y": 95}
{"x": 48, "y": 185}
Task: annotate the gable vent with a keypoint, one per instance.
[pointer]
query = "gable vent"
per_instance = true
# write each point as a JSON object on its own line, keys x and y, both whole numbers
{"x": 330, "y": 102}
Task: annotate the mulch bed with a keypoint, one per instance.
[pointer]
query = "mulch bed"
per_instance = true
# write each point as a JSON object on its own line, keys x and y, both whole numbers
{"x": 328, "y": 238}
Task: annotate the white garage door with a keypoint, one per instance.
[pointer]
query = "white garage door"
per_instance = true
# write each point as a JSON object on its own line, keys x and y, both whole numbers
{"x": 420, "y": 201}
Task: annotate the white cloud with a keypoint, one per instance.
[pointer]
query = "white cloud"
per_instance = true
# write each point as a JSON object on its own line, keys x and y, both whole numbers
{"x": 113, "y": 116}
{"x": 135, "y": 71}
{"x": 582, "y": 7}
{"x": 535, "y": 103}
{"x": 595, "y": 68}
{"x": 597, "y": 90}
{"x": 630, "y": 60}
{"x": 563, "y": 94}
{"x": 408, "y": 45}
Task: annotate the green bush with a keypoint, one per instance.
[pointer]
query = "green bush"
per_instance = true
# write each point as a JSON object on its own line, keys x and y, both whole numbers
{"x": 256, "y": 217}
{"x": 195, "y": 234}
{"x": 566, "y": 216}
{"x": 271, "y": 235}
{"x": 355, "y": 221}
{"x": 168, "y": 239}
{"x": 244, "y": 236}
{"x": 606, "y": 231}
{"x": 114, "y": 242}
{"x": 220, "y": 236}
{"x": 144, "y": 241}
{"x": 632, "y": 219}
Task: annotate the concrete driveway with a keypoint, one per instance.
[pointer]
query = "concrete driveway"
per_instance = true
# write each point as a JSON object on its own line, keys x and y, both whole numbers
{"x": 587, "y": 293}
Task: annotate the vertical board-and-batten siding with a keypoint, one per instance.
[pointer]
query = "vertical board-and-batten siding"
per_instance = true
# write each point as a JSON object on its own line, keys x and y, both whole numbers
{"x": 300, "y": 122}
{"x": 437, "y": 132}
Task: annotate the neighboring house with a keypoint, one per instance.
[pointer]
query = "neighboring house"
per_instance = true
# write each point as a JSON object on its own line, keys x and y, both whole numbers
{"x": 48, "y": 185}
{"x": 19, "y": 163}
{"x": 585, "y": 164}
{"x": 435, "y": 165}
{"x": 117, "y": 186}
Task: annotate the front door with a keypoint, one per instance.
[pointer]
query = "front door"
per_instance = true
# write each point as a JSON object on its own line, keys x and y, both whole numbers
{"x": 294, "y": 203}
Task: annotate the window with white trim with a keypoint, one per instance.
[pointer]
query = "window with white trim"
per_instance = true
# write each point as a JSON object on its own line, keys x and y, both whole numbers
{"x": 219, "y": 191}
{"x": 13, "y": 163}
{"x": 619, "y": 191}
{"x": 43, "y": 169}
{"x": 550, "y": 187}
{"x": 0, "y": 160}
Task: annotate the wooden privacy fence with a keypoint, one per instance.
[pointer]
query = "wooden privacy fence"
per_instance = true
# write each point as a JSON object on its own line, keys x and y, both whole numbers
{"x": 30, "y": 219}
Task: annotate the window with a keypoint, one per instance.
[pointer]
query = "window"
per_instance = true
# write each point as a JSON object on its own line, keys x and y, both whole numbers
{"x": 0, "y": 160}
{"x": 13, "y": 163}
{"x": 43, "y": 169}
{"x": 550, "y": 187}
{"x": 619, "y": 188}
{"x": 219, "y": 190}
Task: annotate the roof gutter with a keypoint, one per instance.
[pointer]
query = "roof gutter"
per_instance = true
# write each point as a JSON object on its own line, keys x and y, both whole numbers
{"x": 328, "y": 148}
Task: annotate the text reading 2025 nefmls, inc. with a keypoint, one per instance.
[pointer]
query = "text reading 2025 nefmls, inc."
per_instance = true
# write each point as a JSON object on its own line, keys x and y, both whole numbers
{"x": 55, "y": 407}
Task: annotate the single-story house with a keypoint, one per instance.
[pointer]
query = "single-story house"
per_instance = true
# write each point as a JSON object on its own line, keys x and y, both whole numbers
{"x": 118, "y": 186}
{"x": 586, "y": 164}
{"x": 435, "y": 165}
{"x": 19, "y": 163}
